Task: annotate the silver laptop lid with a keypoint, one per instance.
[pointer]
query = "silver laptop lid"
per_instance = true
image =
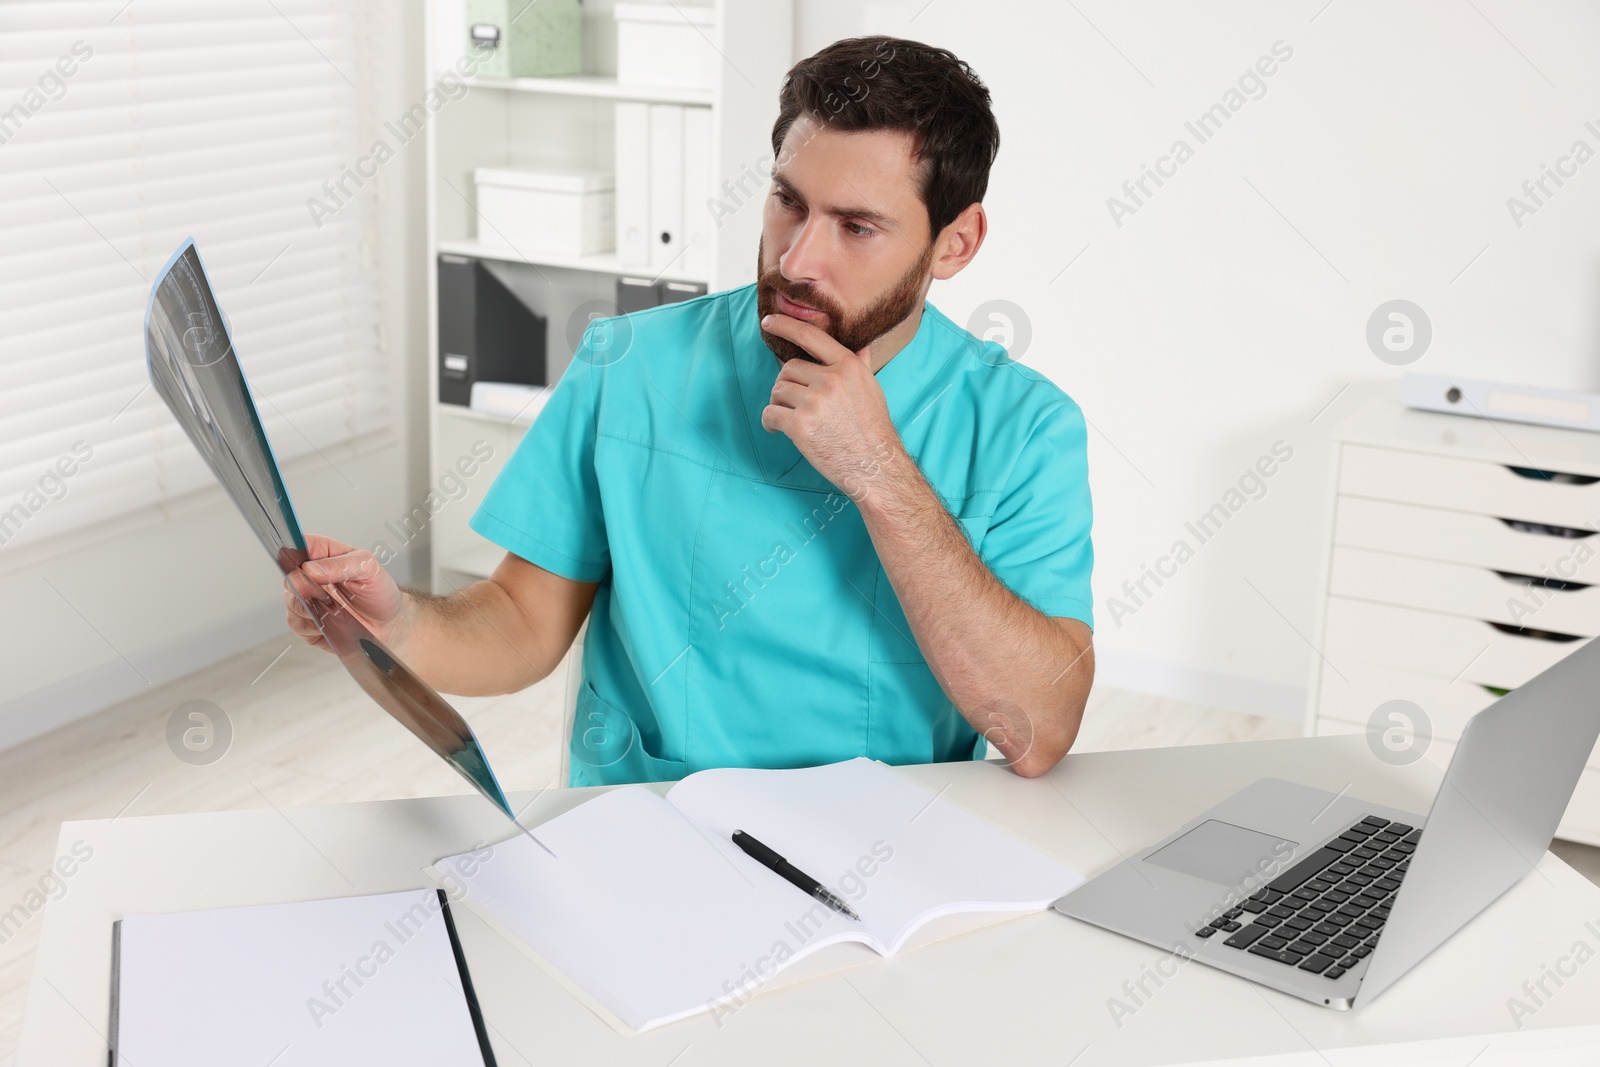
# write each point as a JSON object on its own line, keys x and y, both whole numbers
{"x": 1512, "y": 776}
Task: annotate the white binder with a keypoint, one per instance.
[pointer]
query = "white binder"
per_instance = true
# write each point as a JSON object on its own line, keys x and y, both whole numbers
{"x": 697, "y": 225}
{"x": 633, "y": 183}
{"x": 666, "y": 186}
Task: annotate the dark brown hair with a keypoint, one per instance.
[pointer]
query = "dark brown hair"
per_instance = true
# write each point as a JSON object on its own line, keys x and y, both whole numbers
{"x": 888, "y": 83}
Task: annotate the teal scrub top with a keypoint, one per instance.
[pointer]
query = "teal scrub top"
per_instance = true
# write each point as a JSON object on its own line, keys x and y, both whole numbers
{"x": 743, "y": 618}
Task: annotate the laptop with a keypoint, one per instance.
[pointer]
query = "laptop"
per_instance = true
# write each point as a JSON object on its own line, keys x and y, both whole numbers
{"x": 1330, "y": 898}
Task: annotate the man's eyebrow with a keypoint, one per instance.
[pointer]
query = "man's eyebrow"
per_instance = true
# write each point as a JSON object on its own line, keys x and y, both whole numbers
{"x": 877, "y": 218}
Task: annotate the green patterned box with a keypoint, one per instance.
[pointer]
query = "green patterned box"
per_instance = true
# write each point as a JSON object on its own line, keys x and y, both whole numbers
{"x": 530, "y": 38}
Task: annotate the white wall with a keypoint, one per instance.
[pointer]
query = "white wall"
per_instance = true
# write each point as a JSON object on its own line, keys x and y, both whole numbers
{"x": 1230, "y": 309}
{"x": 99, "y": 616}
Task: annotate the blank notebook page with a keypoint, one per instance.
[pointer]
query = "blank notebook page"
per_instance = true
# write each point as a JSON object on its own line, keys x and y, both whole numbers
{"x": 836, "y": 823}
{"x": 246, "y": 986}
{"x": 649, "y": 914}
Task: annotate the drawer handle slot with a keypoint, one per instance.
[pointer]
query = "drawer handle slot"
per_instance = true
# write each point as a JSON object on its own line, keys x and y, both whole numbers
{"x": 1545, "y": 529}
{"x": 1546, "y": 583}
{"x": 1528, "y": 631}
{"x": 1556, "y": 477}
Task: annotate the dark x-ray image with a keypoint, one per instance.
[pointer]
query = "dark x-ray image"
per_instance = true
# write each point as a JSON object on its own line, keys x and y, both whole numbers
{"x": 194, "y": 367}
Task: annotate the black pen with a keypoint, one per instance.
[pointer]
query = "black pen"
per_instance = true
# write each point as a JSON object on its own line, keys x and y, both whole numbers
{"x": 777, "y": 864}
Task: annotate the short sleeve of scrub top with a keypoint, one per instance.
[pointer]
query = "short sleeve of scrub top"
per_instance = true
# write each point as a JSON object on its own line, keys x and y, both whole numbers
{"x": 1038, "y": 539}
{"x": 545, "y": 507}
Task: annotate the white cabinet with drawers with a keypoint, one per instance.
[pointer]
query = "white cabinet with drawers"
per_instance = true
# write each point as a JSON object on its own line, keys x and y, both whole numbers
{"x": 1464, "y": 559}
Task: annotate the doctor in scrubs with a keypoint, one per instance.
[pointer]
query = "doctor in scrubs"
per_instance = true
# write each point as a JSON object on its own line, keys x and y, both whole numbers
{"x": 808, "y": 519}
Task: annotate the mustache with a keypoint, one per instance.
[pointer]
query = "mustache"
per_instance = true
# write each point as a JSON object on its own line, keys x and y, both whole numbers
{"x": 800, "y": 292}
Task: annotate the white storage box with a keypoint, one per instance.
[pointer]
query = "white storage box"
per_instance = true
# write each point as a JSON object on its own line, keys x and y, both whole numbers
{"x": 666, "y": 44}
{"x": 569, "y": 212}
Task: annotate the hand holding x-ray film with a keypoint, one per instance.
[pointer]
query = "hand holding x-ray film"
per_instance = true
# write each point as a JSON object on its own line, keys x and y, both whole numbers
{"x": 195, "y": 370}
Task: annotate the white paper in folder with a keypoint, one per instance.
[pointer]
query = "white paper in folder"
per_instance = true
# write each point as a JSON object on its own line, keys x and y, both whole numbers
{"x": 509, "y": 400}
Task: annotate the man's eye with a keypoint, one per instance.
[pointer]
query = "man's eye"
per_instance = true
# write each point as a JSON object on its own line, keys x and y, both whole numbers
{"x": 858, "y": 229}
{"x": 784, "y": 198}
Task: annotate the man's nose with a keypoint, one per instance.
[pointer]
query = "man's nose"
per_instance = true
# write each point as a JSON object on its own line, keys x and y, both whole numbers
{"x": 804, "y": 260}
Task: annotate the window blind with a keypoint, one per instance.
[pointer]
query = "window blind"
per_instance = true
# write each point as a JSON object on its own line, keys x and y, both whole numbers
{"x": 125, "y": 127}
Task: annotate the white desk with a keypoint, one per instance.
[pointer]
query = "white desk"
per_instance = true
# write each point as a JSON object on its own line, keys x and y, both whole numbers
{"x": 1031, "y": 990}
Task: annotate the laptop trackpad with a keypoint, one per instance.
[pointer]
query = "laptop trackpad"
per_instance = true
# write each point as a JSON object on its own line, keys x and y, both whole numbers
{"x": 1221, "y": 852}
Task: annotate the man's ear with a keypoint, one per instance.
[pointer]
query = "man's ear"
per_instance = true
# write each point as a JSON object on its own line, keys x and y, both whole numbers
{"x": 958, "y": 242}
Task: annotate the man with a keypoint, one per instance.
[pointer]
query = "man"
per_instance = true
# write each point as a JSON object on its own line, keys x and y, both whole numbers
{"x": 875, "y": 544}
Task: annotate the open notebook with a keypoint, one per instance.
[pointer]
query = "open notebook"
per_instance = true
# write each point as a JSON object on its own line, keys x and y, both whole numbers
{"x": 649, "y": 907}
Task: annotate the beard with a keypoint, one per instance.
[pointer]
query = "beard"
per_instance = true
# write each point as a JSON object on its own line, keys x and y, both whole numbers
{"x": 854, "y": 332}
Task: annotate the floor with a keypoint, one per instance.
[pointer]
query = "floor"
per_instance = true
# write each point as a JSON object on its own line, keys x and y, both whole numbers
{"x": 302, "y": 733}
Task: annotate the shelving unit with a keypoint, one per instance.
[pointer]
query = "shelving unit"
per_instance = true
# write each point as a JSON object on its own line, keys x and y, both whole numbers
{"x": 604, "y": 263}
{"x": 567, "y": 123}
{"x": 599, "y": 87}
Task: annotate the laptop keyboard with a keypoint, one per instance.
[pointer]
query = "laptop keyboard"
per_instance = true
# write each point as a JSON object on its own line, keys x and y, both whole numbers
{"x": 1325, "y": 913}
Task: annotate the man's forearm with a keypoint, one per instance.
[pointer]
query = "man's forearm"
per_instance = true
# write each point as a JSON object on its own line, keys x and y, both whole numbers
{"x": 473, "y": 642}
{"x": 1018, "y": 676}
